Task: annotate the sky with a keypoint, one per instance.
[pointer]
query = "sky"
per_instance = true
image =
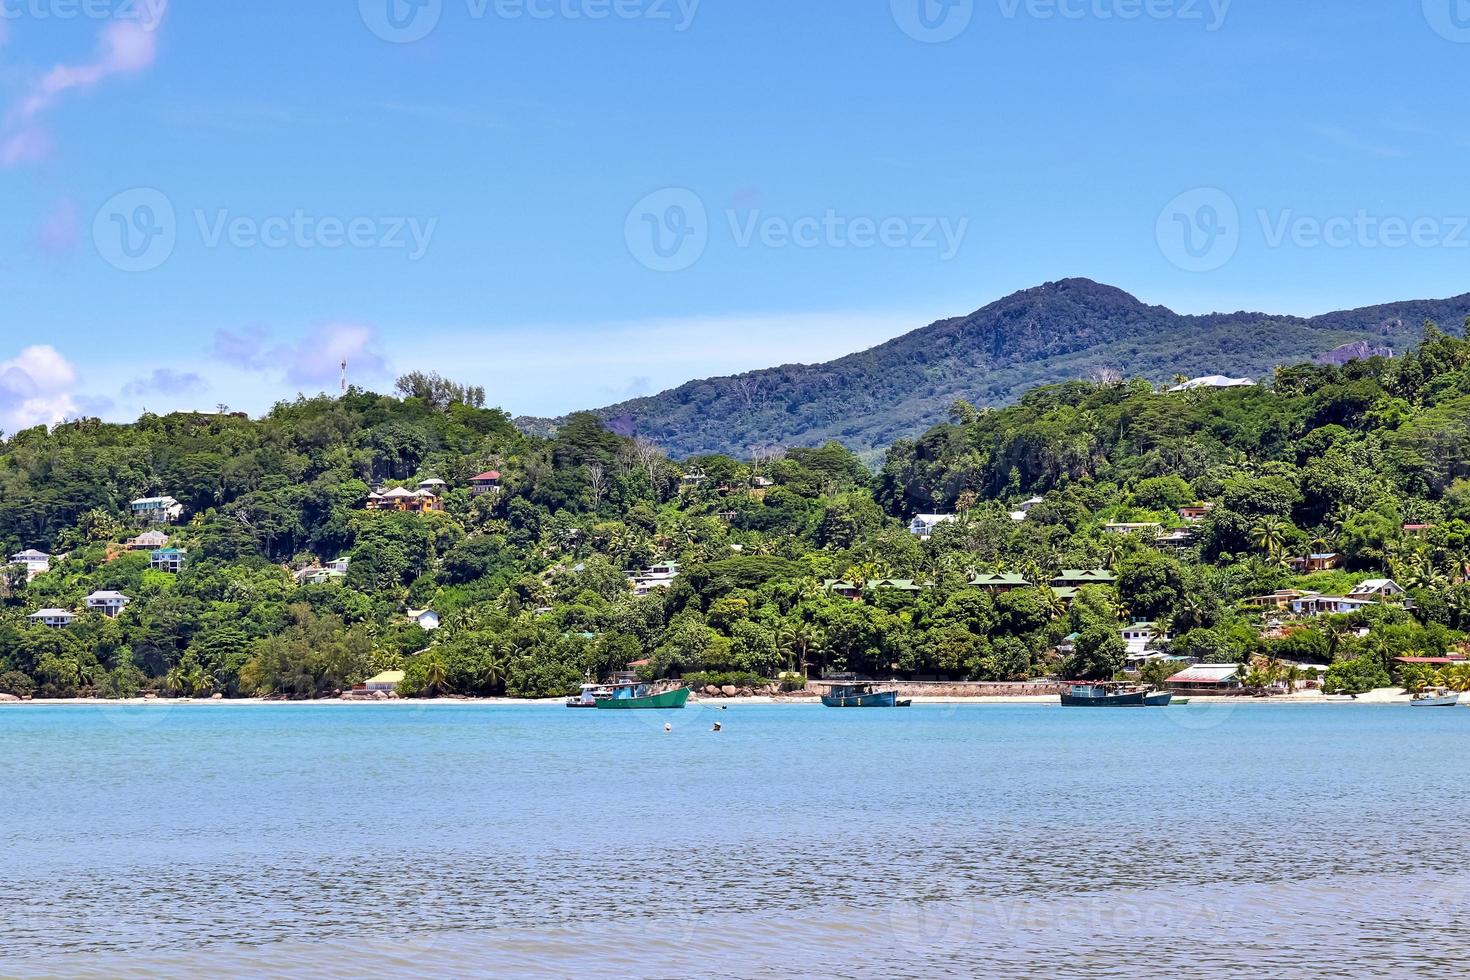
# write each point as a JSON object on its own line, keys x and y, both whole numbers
{"x": 572, "y": 202}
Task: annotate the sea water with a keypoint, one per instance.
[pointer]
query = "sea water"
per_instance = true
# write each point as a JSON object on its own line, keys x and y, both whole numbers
{"x": 975, "y": 840}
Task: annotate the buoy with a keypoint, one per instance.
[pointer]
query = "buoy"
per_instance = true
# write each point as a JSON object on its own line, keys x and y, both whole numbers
{"x": 668, "y": 727}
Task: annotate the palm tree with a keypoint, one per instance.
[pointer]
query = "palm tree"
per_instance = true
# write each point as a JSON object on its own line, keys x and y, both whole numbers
{"x": 492, "y": 675}
{"x": 1269, "y": 535}
{"x": 436, "y": 677}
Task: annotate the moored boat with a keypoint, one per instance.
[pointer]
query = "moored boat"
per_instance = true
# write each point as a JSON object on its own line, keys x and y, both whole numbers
{"x": 637, "y": 694}
{"x": 1106, "y": 695}
{"x": 591, "y": 694}
{"x": 1436, "y": 699}
{"x": 857, "y": 694}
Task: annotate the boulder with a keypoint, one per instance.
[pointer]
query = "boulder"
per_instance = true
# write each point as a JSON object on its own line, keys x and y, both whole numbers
{"x": 711, "y": 690}
{"x": 8, "y": 697}
{"x": 729, "y": 690}
{"x": 216, "y": 697}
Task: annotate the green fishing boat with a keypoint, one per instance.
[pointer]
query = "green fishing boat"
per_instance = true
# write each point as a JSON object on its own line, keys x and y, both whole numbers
{"x": 640, "y": 695}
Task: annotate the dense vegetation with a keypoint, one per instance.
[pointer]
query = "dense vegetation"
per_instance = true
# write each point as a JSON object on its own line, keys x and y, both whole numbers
{"x": 531, "y": 584}
{"x": 1074, "y": 328}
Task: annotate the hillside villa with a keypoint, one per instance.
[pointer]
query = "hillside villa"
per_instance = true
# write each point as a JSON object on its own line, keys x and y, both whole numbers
{"x": 167, "y": 560}
{"x": 659, "y": 576}
{"x": 1376, "y": 588}
{"x": 147, "y": 541}
{"x": 1321, "y": 562}
{"x": 54, "y": 618}
{"x": 35, "y": 562}
{"x": 157, "y": 510}
{"x": 487, "y": 482}
{"x": 997, "y": 582}
{"x": 427, "y": 619}
{"x": 109, "y": 604}
{"x": 1195, "y": 513}
{"x": 1126, "y": 528}
{"x": 419, "y": 501}
{"x": 1025, "y": 508}
{"x": 1076, "y": 578}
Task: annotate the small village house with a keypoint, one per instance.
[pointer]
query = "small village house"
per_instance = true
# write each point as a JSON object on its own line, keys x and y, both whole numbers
{"x": 997, "y": 582}
{"x": 433, "y": 485}
{"x": 1195, "y": 513}
{"x": 157, "y": 510}
{"x": 1280, "y": 600}
{"x": 1131, "y": 528}
{"x": 1021, "y": 513}
{"x": 659, "y": 576}
{"x": 1321, "y": 562}
{"x": 1204, "y": 678}
{"x": 487, "y": 482}
{"x": 339, "y": 565}
{"x": 404, "y": 500}
{"x": 427, "y": 619}
{"x": 54, "y": 618}
{"x": 109, "y": 604}
{"x": 387, "y": 682}
{"x": 1376, "y": 588}
{"x": 1075, "y": 578}
{"x": 316, "y": 575}
{"x": 843, "y": 588}
{"x": 1328, "y": 605}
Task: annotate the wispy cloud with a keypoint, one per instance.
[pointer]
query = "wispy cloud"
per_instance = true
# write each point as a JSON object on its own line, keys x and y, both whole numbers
{"x": 314, "y": 359}
{"x": 1347, "y": 140}
{"x": 166, "y": 381}
{"x": 127, "y": 46}
{"x": 453, "y": 115}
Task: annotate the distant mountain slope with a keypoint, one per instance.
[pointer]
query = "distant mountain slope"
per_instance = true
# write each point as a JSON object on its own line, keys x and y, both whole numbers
{"x": 1074, "y": 328}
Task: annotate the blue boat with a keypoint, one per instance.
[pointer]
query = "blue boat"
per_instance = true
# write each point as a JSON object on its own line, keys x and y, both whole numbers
{"x": 1102, "y": 695}
{"x": 856, "y": 694}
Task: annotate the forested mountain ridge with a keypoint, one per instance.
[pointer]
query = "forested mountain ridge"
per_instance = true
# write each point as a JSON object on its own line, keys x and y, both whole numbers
{"x": 1060, "y": 331}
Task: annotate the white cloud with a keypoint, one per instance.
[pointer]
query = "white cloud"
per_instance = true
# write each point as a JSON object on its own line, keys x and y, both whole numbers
{"x": 36, "y": 388}
{"x": 314, "y": 360}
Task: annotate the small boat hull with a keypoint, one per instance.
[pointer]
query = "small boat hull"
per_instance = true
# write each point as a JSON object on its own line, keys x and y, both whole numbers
{"x": 876, "y": 699}
{"x": 1122, "y": 699}
{"x": 1443, "y": 701}
{"x": 666, "y": 699}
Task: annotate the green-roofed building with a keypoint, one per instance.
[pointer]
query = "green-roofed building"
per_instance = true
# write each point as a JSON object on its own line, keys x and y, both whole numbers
{"x": 1075, "y": 578}
{"x": 1006, "y": 582}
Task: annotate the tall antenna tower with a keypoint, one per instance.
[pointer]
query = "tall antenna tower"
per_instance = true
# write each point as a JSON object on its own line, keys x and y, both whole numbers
{"x": 344, "y": 377}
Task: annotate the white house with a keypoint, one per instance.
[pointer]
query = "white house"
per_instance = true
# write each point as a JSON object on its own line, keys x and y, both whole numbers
{"x": 52, "y": 617}
{"x": 1328, "y": 605}
{"x": 1139, "y": 637}
{"x": 1214, "y": 381}
{"x": 427, "y": 619}
{"x": 659, "y": 576}
{"x": 1376, "y": 588}
{"x": 434, "y": 486}
{"x": 147, "y": 541}
{"x": 339, "y": 565}
{"x": 387, "y": 681}
{"x": 924, "y": 524}
{"x": 1025, "y": 508}
{"x": 1118, "y": 527}
{"x": 318, "y": 576}
{"x": 35, "y": 562}
{"x": 159, "y": 510}
{"x": 109, "y": 604}
{"x": 167, "y": 560}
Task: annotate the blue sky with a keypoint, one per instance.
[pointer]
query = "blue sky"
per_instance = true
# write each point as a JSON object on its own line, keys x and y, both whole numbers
{"x": 575, "y": 201}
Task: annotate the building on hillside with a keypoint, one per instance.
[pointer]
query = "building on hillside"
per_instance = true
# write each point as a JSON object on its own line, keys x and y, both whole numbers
{"x": 1139, "y": 638}
{"x": 1213, "y": 381}
{"x": 1024, "y": 510}
{"x": 894, "y": 585}
{"x": 52, "y": 617}
{"x": 1448, "y": 660}
{"x": 487, "y": 482}
{"x": 433, "y": 485}
{"x": 427, "y": 619}
{"x": 1203, "y": 678}
{"x": 1417, "y": 530}
{"x": 1119, "y": 527}
{"x": 1376, "y": 588}
{"x": 923, "y": 525}
{"x": 339, "y": 565}
{"x": 659, "y": 576}
{"x": 1280, "y": 600}
{"x": 1321, "y": 562}
{"x": 404, "y": 500}
{"x": 842, "y": 587}
{"x": 157, "y": 510}
{"x": 1066, "y": 593}
{"x": 1181, "y": 537}
{"x": 1195, "y": 513}
{"x": 109, "y": 604}
{"x": 316, "y": 575}
{"x": 1328, "y": 605}
{"x": 167, "y": 559}
{"x": 999, "y": 582}
{"x": 35, "y": 562}
{"x": 147, "y": 541}
{"x": 1075, "y": 578}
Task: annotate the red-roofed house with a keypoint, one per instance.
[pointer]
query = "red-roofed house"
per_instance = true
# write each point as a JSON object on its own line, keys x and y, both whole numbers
{"x": 487, "y": 482}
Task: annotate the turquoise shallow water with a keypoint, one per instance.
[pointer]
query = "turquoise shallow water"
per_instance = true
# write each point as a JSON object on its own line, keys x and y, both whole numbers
{"x": 337, "y": 840}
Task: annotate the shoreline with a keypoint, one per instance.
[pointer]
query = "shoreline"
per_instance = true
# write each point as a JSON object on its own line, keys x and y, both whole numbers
{"x": 1385, "y": 696}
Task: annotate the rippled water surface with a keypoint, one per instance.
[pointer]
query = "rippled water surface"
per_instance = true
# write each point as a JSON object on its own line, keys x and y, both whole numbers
{"x": 338, "y": 840}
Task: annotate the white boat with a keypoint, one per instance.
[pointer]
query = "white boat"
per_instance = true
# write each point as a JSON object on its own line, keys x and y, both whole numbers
{"x": 1436, "y": 699}
{"x": 591, "y": 694}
